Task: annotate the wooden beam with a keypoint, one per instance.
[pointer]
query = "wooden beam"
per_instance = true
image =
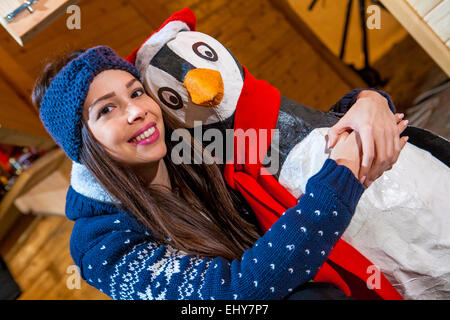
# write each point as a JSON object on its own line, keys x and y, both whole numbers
{"x": 26, "y": 26}
{"x": 19, "y": 124}
{"x": 20, "y": 138}
{"x": 154, "y": 12}
{"x": 346, "y": 73}
{"x": 421, "y": 32}
{"x": 16, "y": 77}
{"x": 8, "y": 220}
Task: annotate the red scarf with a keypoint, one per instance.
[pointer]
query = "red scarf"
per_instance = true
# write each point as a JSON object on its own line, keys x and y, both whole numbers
{"x": 258, "y": 108}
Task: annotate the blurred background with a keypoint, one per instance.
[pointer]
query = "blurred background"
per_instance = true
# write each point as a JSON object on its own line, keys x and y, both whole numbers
{"x": 313, "y": 51}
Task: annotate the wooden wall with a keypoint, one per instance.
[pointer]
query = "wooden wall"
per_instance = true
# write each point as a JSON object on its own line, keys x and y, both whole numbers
{"x": 327, "y": 20}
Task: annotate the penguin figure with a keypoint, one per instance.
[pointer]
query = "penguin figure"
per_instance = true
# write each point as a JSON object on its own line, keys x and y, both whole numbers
{"x": 401, "y": 223}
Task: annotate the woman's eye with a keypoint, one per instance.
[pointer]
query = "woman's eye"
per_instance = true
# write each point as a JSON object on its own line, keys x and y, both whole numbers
{"x": 141, "y": 92}
{"x": 101, "y": 112}
{"x": 205, "y": 51}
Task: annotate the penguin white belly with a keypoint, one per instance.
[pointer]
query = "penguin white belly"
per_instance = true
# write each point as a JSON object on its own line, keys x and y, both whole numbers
{"x": 401, "y": 223}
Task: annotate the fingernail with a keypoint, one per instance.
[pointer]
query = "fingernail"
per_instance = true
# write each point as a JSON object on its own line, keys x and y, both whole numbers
{"x": 363, "y": 179}
{"x": 402, "y": 115}
{"x": 406, "y": 123}
{"x": 407, "y": 138}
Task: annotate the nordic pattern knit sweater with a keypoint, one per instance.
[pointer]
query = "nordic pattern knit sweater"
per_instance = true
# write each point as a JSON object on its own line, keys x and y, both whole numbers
{"x": 116, "y": 255}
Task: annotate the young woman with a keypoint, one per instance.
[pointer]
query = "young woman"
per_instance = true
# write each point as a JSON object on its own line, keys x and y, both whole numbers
{"x": 146, "y": 228}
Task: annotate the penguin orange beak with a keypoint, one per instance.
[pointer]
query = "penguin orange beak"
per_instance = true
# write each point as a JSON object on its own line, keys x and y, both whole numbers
{"x": 205, "y": 87}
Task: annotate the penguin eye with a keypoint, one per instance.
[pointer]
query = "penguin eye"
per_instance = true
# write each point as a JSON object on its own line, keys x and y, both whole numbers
{"x": 204, "y": 51}
{"x": 170, "y": 98}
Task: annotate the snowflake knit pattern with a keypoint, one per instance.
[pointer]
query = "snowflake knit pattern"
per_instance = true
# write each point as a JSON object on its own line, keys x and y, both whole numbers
{"x": 118, "y": 257}
{"x": 62, "y": 105}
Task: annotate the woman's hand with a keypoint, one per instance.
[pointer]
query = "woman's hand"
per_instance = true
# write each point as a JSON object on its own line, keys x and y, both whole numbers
{"x": 347, "y": 152}
{"x": 379, "y": 134}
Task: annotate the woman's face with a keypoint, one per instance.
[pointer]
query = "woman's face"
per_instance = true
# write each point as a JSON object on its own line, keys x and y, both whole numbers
{"x": 124, "y": 119}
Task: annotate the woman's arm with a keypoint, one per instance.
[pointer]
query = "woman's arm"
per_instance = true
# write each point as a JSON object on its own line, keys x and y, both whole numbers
{"x": 369, "y": 112}
{"x": 127, "y": 265}
{"x": 348, "y": 100}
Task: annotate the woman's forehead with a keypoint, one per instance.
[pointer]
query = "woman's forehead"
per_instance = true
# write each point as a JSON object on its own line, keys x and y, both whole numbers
{"x": 107, "y": 83}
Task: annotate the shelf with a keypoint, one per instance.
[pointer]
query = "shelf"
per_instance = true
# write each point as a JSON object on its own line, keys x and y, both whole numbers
{"x": 27, "y": 25}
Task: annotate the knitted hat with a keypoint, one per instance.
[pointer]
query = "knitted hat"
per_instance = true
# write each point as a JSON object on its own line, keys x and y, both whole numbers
{"x": 62, "y": 105}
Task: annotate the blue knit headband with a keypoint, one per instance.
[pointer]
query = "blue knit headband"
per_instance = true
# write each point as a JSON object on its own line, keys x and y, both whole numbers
{"x": 62, "y": 105}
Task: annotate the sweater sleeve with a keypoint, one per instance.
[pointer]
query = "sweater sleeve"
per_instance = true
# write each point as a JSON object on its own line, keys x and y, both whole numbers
{"x": 348, "y": 100}
{"x": 127, "y": 265}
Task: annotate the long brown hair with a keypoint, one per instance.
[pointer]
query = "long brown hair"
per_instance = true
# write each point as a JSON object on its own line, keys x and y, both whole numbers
{"x": 203, "y": 219}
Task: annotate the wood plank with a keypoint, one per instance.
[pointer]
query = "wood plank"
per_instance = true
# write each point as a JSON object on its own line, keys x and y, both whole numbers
{"x": 410, "y": 71}
{"x": 17, "y": 234}
{"x": 347, "y": 75}
{"x": 7, "y": 221}
{"x": 16, "y": 115}
{"x": 152, "y": 12}
{"x": 421, "y": 32}
{"x": 20, "y": 138}
{"x": 13, "y": 73}
{"x": 36, "y": 253}
{"x": 47, "y": 253}
{"x": 439, "y": 20}
{"x": 327, "y": 21}
{"x": 19, "y": 260}
{"x": 25, "y": 26}
{"x": 423, "y": 7}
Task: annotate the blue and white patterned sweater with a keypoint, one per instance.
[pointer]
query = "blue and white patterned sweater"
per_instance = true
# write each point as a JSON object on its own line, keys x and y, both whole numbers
{"x": 118, "y": 257}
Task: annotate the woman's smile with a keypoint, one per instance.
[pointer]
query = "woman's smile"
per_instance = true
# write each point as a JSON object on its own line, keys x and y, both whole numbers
{"x": 149, "y": 136}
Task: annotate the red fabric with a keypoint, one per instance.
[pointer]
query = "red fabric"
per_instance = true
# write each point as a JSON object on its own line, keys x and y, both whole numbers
{"x": 4, "y": 160}
{"x": 258, "y": 108}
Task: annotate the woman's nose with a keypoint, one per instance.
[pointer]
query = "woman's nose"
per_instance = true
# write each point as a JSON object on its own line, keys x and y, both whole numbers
{"x": 135, "y": 113}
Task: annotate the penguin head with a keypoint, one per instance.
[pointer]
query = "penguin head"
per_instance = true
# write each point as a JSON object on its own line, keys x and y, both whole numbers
{"x": 190, "y": 74}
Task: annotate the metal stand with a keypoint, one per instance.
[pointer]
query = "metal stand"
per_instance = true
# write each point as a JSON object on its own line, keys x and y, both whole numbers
{"x": 367, "y": 73}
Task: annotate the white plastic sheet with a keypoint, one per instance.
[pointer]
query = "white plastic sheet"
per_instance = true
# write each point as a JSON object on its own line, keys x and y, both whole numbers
{"x": 402, "y": 222}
